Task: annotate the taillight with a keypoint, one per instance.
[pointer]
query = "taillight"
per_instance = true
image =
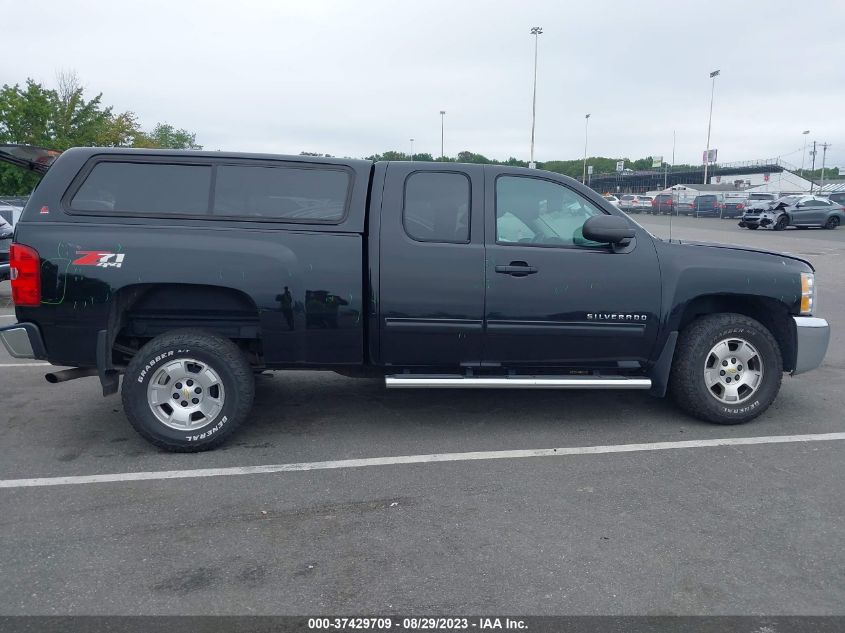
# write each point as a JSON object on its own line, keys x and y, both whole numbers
{"x": 25, "y": 273}
{"x": 740, "y": 207}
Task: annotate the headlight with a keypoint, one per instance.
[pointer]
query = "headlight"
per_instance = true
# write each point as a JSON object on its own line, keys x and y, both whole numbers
{"x": 808, "y": 292}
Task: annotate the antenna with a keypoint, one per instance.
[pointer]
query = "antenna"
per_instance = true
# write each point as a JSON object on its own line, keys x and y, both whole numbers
{"x": 670, "y": 185}
{"x": 671, "y": 213}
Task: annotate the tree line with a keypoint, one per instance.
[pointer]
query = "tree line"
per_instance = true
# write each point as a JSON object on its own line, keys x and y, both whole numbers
{"x": 573, "y": 168}
{"x": 62, "y": 117}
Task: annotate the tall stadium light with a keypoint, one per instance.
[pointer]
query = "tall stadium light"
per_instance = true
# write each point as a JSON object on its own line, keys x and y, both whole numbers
{"x": 442, "y": 123}
{"x": 586, "y": 124}
{"x": 713, "y": 76}
{"x": 536, "y": 31}
{"x": 804, "y": 153}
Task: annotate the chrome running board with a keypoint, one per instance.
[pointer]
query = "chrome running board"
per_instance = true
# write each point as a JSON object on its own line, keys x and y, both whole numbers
{"x": 410, "y": 381}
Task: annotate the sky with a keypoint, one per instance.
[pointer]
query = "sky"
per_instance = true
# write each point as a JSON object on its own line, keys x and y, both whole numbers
{"x": 354, "y": 78}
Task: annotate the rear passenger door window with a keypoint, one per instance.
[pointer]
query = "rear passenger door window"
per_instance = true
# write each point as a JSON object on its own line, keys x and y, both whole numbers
{"x": 436, "y": 207}
{"x": 297, "y": 194}
{"x": 144, "y": 188}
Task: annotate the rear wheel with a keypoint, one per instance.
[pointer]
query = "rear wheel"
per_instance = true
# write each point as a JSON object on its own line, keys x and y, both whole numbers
{"x": 188, "y": 390}
{"x": 727, "y": 370}
{"x": 832, "y": 223}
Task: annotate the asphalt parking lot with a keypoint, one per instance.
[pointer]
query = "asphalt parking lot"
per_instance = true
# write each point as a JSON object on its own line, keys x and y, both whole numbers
{"x": 697, "y": 529}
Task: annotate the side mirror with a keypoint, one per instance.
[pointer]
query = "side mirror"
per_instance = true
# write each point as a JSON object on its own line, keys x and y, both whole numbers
{"x": 608, "y": 228}
{"x": 798, "y": 205}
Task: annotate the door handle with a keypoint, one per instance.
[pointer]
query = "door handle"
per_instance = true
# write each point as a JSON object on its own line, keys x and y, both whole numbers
{"x": 517, "y": 269}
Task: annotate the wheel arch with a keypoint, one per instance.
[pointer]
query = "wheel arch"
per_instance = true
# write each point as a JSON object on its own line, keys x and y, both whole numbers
{"x": 141, "y": 312}
{"x": 771, "y": 313}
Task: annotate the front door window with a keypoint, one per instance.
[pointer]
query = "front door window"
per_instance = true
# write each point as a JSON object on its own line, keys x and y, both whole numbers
{"x": 536, "y": 212}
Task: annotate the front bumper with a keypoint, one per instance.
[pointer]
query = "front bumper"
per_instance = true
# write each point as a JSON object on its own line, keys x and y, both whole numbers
{"x": 812, "y": 336}
{"x": 23, "y": 340}
{"x": 755, "y": 221}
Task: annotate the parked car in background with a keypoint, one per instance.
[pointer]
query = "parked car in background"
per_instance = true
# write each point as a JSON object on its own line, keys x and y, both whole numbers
{"x": 706, "y": 205}
{"x": 612, "y": 200}
{"x": 838, "y": 197}
{"x": 634, "y": 203}
{"x": 799, "y": 211}
{"x": 760, "y": 201}
{"x": 663, "y": 203}
{"x": 733, "y": 207}
{"x": 626, "y": 202}
{"x": 6, "y": 233}
{"x": 643, "y": 203}
{"x": 733, "y": 203}
{"x": 11, "y": 209}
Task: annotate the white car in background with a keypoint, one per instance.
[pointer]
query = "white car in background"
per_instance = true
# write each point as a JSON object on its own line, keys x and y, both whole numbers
{"x": 612, "y": 200}
{"x": 635, "y": 203}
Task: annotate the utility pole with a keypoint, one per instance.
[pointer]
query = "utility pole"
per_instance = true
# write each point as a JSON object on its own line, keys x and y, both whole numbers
{"x": 713, "y": 76}
{"x": 824, "y": 157}
{"x": 536, "y": 31}
{"x": 412, "y": 149}
{"x": 813, "y": 168}
{"x": 586, "y": 124}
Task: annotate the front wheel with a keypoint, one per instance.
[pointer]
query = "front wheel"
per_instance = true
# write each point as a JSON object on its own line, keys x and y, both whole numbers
{"x": 752, "y": 227}
{"x": 832, "y": 223}
{"x": 781, "y": 224}
{"x": 188, "y": 390}
{"x": 727, "y": 369}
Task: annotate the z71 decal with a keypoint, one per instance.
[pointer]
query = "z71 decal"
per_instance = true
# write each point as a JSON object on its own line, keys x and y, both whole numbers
{"x": 99, "y": 258}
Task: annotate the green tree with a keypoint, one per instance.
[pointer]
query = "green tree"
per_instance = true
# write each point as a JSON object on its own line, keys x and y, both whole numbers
{"x": 829, "y": 172}
{"x": 62, "y": 117}
{"x": 165, "y": 136}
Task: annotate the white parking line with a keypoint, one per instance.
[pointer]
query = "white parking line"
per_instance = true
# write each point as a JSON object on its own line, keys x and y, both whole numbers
{"x": 413, "y": 459}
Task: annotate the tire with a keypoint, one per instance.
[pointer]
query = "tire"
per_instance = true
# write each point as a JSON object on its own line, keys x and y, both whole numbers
{"x": 209, "y": 369}
{"x": 781, "y": 224}
{"x": 752, "y": 227}
{"x": 695, "y": 360}
{"x": 832, "y": 223}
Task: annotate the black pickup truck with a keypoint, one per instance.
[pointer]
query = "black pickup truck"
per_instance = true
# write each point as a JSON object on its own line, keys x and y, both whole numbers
{"x": 189, "y": 272}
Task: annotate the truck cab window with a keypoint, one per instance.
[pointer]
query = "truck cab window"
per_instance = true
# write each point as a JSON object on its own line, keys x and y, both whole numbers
{"x": 436, "y": 207}
{"x": 532, "y": 211}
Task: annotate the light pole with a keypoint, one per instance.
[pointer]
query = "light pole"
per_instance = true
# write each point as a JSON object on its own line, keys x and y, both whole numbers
{"x": 536, "y": 31}
{"x": 586, "y": 124}
{"x": 713, "y": 76}
{"x": 442, "y": 123}
{"x": 804, "y": 153}
{"x": 412, "y": 149}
